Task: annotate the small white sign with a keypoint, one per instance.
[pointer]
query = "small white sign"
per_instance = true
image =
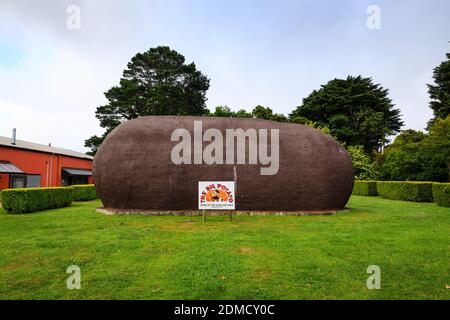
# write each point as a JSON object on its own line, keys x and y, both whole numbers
{"x": 216, "y": 195}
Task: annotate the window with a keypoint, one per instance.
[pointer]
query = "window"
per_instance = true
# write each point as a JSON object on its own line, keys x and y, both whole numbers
{"x": 25, "y": 181}
{"x": 33, "y": 181}
{"x": 18, "y": 180}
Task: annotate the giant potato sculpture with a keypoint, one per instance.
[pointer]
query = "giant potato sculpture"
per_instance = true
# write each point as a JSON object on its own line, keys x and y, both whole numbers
{"x": 155, "y": 163}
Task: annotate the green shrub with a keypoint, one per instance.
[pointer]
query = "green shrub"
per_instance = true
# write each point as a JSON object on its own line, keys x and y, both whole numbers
{"x": 406, "y": 190}
{"x": 23, "y": 200}
{"x": 441, "y": 194}
{"x": 365, "y": 188}
{"x": 363, "y": 165}
{"x": 84, "y": 192}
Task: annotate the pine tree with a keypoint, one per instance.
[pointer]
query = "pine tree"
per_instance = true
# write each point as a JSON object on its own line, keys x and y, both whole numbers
{"x": 440, "y": 91}
{"x": 357, "y": 111}
{"x": 156, "y": 82}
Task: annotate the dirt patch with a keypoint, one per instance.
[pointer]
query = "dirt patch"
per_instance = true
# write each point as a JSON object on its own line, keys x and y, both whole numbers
{"x": 14, "y": 265}
{"x": 263, "y": 274}
{"x": 178, "y": 225}
{"x": 246, "y": 250}
{"x": 188, "y": 223}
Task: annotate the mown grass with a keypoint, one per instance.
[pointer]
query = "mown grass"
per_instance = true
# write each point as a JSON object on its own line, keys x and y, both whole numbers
{"x": 265, "y": 257}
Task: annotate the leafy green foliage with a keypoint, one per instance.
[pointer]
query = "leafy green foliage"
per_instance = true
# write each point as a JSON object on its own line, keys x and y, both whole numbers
{"x": 223, "y": 111}
{"x": 440, "y": 91}
{"x": 363, "y": 165}
{"x": 259, "y": 112}
{"x": 417, "y": 156}
{"x": 84, "y": 192}
{"x": 156, "y": 82}
{"x": 312, "y": 124}
{"x": 365, "y": 188}
{"x": 242, "y": 113}
{"x": 24, "y": 200}
{"x": 95, "y": 141}
{"x": 357, "y": 111}
{"x": 403, "y": 159}
{"x": 406, "y": 190}
{"x": 441, "y": 194}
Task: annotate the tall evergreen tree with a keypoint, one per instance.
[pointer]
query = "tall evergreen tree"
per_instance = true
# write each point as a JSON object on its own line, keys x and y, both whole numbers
{"x": 156, "y": 82}
{"x": 440, "y": 91}
{"x": 357, "y": 111}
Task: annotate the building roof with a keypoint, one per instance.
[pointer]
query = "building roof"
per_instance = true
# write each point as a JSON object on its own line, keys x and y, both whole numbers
{"x": 20, "y": 144}
{"x": 77, "y": 172}
{"x": 8, "y": 167}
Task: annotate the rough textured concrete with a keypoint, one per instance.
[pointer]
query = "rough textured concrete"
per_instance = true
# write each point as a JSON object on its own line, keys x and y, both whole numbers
{"x": 194, "y": 213}
{"x": 133, "y": 168}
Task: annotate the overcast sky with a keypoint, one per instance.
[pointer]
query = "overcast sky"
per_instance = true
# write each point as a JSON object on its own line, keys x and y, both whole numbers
{"x": 273, "y": 53}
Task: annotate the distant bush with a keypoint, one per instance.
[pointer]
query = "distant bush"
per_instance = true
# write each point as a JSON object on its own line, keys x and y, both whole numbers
{"x": 406, "y": 190}
{"x": 365, "y": 188}
{"x": 23, "y": 200}
{"x": 416, "y": 156}
{"x": 84, "y": 192}
{"x": 363, "y": 165}
{"x": 441, "y": 194}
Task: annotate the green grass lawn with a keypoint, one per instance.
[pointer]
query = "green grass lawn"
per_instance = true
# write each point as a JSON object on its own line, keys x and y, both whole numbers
{"x": 259, "y": 257}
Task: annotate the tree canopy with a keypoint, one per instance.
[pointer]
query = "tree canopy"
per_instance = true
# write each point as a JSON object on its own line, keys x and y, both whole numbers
{"x": 225, "y": 111}
{"x": 415, "y": 155}
{"x": 259, "y": 112}
{"x": 357, "y": 111}
{"x": 440, "y": 91}
{"x": 156, "y": 82}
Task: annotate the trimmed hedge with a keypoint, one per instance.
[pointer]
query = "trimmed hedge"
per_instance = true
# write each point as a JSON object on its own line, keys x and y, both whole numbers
{"x": 406, "y": 190}
{"x": 441, "y": 194}
{"x": 23, "y": 200}
{"x": 84, "y": 192}
{"x": 365, "y": 188}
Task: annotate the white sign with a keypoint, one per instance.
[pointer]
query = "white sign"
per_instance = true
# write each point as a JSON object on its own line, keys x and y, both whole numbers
{"x": 216, "y": 195}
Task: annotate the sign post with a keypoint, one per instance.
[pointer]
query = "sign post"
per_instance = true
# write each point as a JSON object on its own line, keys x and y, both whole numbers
{"x": 235, "y": 189}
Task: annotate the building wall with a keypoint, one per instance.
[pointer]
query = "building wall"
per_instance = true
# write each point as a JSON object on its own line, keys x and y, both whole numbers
{"x": 44, "y": 164}
{"x": 4, "y": 179}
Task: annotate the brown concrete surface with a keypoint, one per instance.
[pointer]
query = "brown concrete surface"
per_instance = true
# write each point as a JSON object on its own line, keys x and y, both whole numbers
{"x": 133, "y": 168}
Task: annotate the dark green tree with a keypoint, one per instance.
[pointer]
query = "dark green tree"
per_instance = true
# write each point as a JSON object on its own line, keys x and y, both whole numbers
{"x": 225, "y": 111}
{"x": 266, "y": 113}
{"x": 242, "y": 113}
{"x": 357, "y": 111}
{"x": 402, "y": 158}
{"x": 262, "y": 112}
{"x": 222, "y": 111}
{"x": 259, "y": 112}
{"x": 440, "y": 91}
{"x": 415, "y": 155}
{"x": 439, "y": 145}
{"x": 156, "y": 82}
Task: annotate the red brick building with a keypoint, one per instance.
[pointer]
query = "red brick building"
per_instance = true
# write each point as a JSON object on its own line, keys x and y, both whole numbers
{"x": 26, "y": 164}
